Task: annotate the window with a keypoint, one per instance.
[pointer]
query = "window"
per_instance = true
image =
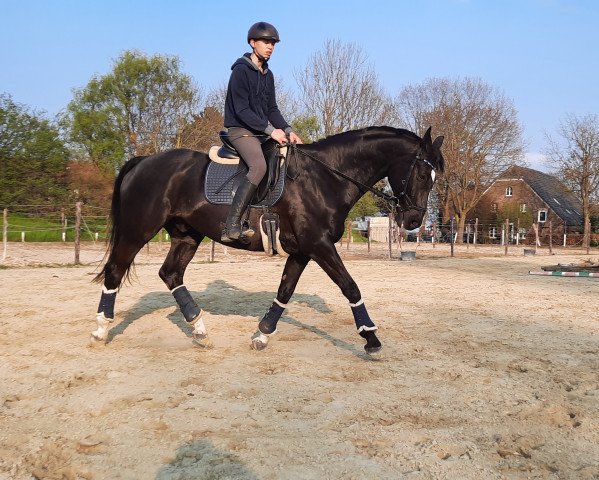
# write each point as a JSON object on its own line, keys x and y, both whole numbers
{"x": 493, "y": 232}
{"x": 493, "y": 207}
{"x": 523, "y": 207}
{"x": 542, "y": 216}
{"x": 508, "y": 191}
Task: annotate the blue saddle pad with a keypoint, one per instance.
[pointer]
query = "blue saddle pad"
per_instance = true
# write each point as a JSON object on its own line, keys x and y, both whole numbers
{"x": 220, "y": 179}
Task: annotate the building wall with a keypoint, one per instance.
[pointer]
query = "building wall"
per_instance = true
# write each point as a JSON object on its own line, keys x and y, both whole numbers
{"x": 509, "y": 206}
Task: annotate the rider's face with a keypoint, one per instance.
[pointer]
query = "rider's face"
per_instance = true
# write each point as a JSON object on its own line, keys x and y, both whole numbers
{"x": 263, "y": 48}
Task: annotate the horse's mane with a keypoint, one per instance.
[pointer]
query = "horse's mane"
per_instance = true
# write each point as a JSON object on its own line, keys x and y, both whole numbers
{"x": 370, "y": 133}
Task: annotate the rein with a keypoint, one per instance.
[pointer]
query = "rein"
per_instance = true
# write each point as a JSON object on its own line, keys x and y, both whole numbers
{"x": 391, "y": 199}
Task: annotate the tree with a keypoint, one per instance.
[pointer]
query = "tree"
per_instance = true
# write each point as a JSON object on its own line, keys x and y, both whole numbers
{"x": 365, "y": 207}
{"x": 136, "y": 109}
{"x": 89, "y": 184}
{"x": 342, "y": 91}
{"x": 306, "y": 127}
{"x": 202, "y": 132}
{"x": 482, "y": 136}
{"x": 575, "y": 158}
{"x": 33, "y": 157}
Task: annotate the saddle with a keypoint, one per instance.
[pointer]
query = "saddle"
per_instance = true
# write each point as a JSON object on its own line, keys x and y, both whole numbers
{"x": 226, "y": 171}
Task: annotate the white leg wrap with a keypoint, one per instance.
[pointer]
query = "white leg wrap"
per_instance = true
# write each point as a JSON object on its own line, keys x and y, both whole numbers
{"x": 282, "y": 305}
{"x": 198, "y": 325}
{"x": 357, "y": 304}
{"x": 364, "y": 328}
{"x": 103, "y": 324}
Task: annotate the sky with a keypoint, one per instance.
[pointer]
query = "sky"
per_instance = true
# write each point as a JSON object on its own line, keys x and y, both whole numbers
{"x": 541, "y": 54}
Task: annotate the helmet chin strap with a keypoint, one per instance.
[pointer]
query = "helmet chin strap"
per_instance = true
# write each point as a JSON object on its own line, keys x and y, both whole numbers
{"x": 260, "y": 57}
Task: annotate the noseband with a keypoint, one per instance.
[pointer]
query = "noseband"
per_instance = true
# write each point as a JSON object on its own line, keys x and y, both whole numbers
{"x": 393, "y": 200}
{"x": 403, "y": 195}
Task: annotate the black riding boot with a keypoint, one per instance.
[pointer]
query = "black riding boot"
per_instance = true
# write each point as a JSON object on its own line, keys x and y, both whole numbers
{"x": 243, "y": 197}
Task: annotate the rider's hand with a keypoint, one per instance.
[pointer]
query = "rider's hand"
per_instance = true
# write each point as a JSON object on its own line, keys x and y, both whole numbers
{"x": 295, "y": 138}
{"x": 279, "y": 136}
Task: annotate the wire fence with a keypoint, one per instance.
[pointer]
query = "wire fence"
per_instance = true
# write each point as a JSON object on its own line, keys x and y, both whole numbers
{"x": 379, "y": 237}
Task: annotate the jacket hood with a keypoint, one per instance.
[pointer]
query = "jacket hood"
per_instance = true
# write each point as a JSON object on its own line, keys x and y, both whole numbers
{"x": 247, "y": 61}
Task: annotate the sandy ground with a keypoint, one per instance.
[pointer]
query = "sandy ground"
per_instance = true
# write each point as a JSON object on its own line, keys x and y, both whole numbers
{"x": 486, "y": 372}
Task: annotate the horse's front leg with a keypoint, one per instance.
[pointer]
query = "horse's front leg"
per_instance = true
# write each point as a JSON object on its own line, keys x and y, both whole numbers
{"x": 295, "y": 265}
{"x": 331, "y": 263}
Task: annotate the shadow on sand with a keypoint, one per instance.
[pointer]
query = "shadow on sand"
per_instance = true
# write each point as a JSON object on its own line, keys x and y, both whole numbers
{"x": 211, "y": 300}
{"x": 200, "y": 459}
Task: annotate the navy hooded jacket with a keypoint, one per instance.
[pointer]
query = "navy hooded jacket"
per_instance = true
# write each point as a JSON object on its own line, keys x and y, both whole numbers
{"x": 251, "y": 101}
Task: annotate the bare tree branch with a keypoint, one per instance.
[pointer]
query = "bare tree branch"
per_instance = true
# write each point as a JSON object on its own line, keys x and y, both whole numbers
{"x": 342, "y": 91}
{"x": 574, "y": 156}
{"x": 482, "y": 136}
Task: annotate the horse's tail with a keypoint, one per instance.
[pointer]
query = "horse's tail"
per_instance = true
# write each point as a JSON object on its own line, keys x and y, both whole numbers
{"x": 115, "y": 215}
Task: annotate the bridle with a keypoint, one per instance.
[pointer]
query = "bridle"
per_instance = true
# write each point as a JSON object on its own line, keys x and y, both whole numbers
{"x": 392, "y": 200}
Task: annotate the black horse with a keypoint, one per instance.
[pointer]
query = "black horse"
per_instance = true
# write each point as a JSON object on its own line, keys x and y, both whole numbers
{"x": 166, "y": 190}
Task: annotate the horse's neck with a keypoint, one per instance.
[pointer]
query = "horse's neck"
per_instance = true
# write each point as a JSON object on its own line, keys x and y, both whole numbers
{"x": 365, "y": 165}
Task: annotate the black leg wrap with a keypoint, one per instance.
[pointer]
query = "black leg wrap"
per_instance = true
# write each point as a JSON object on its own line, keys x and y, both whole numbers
{"x": 363, "y": 321}
{"x": 189, "y": 308}
{"x": 268, "y": 324}
{"x": 107, "y": 304}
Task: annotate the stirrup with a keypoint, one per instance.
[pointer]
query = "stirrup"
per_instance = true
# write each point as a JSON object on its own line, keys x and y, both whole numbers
{"x": 244, "y": 235}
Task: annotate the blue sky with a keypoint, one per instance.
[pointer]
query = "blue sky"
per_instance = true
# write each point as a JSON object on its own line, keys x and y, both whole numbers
{"x": 543, "y": 54}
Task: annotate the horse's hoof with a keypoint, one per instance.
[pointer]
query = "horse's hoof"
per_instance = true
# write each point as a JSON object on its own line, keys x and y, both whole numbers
{"x": 372, "y": 350}
{"x": 259, "y": 341}
{"x": 202, "y": 341}
{"x": 96, "y": 341}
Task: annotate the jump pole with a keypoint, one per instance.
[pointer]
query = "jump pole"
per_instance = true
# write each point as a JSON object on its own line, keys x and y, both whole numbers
{"x": 563, "y": 274}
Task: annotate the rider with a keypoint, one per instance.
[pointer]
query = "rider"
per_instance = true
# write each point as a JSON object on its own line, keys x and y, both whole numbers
{"x": 251, "y": 117}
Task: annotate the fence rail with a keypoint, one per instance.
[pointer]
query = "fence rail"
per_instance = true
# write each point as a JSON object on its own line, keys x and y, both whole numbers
{"x": 381, "y": 236}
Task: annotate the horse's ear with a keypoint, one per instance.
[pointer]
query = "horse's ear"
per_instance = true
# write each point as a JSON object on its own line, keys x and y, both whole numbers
{"x": 438, "y": 142}
{"x": 426, "y": 139}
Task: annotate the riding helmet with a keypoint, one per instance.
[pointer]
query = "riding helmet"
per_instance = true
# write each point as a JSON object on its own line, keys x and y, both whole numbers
{"x": 263, "y": 31}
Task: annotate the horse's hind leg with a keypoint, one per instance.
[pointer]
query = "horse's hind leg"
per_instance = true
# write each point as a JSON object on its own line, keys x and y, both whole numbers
{"x": 295, "y": 265}
{"x": 183, "y": 248}
{"x": 117, "y": 266}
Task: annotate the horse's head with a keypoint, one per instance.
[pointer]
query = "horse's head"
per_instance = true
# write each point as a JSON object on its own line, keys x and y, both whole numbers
{"x": 412, "y": 186}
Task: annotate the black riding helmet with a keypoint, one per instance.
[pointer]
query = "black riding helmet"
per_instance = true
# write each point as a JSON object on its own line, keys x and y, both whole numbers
{"x": 263, "y": 31}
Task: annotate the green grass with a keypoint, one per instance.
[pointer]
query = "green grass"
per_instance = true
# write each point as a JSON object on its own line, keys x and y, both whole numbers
{"x": 48, "y": 229}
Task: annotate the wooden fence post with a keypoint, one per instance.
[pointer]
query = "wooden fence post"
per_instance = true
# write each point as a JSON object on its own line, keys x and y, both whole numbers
{"x": 550, "y": 237}
{"x": 77, "y": 231}
{"x": 451, "y": 234}
{"x": 390, "y": 235}
{"x": 63, "y": 225}
{"x": 468, "y": 227}
{"x": 507, "y": 234}
{"x": 348, "y": 233}
{"x": 213, "y": 243}
{"x": 475, "y": 232}
{"x": 369, "y": 233}
{"x": 434, "y": 237}
{"x": 4, "y": 233}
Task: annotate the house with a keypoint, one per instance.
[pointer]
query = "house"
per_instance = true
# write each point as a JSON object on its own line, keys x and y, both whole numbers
{"x": 525, "y": 197}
